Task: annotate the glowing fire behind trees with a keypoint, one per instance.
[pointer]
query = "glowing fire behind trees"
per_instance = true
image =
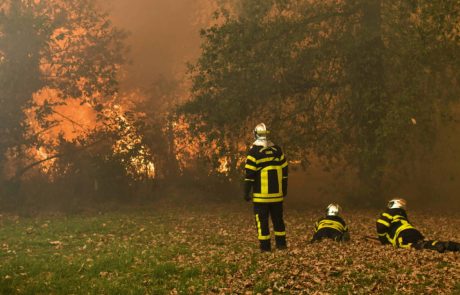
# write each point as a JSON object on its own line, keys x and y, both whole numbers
{"x": 74, "y": 121}
{"x": 77, "y": 61}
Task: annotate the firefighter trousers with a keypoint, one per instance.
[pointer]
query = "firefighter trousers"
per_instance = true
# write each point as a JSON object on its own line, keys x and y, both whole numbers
{"x": 439, "y": 246}
{"x": 262, "y": 212}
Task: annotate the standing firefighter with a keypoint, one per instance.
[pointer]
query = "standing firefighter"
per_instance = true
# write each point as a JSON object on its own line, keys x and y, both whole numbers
{"x": 332, "y": 226}
{"x": 394, "y": 228}
{"x": 267, "y": 177}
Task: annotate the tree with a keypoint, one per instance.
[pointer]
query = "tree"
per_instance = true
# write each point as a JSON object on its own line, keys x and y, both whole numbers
{"x": 342, "y": 80}
{"x": 68, "y": 47}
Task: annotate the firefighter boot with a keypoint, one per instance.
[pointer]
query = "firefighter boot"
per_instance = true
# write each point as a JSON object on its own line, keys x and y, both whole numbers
{"x": 280, "y": 242}
{"x": 435, "y": 245}
{"x": 452, "y": 246}
{"x": 265, "y": 246}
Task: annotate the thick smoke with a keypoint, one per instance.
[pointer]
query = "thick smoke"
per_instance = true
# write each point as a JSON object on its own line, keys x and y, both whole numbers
{"x": 164, "y": 36}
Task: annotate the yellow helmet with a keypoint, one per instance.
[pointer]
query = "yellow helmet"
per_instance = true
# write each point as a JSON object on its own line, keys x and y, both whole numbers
{"x": 333, "y": 209}
{"x": 397, "y": 203}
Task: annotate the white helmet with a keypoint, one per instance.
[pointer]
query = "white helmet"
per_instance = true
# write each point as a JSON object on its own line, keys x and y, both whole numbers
{"x": 260, "y": 131}
{"x": 397, "y": 203}
{"x": 333, "y": 209}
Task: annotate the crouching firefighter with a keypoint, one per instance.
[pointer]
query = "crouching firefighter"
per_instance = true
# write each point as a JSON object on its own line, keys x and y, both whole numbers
{"x": 266, "y": 184}
{"x": 332, "y": 226}
{"x": 393, "y": 227}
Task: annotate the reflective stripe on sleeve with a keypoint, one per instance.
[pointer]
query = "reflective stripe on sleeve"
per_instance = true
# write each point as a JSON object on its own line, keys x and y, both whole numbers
{"x": 250, "y": 167}
{"x": 383, "y": 222}
{"x": 387, "y": 216}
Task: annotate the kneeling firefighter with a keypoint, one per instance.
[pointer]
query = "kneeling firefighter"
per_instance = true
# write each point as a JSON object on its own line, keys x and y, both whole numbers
{"x": 266, "y": 176}
{"x": 393, "y": 227}
{"x": 332, "y": 226}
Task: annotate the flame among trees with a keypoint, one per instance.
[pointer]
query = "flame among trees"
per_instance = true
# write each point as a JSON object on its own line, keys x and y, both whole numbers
{"x": 61, "y": 107}
{"x": 342, "y": 81}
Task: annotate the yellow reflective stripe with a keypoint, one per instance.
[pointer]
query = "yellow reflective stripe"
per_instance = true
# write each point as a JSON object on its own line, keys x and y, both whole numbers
{"x": 402, "y": 245}
{"x": 274, "y": 195}
{"x": 398, "y": 217}
{"x": 266, "y": 159}
{"x": 250, "y": 167}
{"x": 259, "y": 230}
{"x": 404, "y": 225}
{"x": 382, "y": 235}
{"x": 383, "y": 222}
{"x": 263, "y": 160}
{"x": 284, "y": 165}
{"x": 434, "y": 243}
{"x": 280, "y": 233}
{"x": 251, "y": 158}
{"x": 387, "y": 215}
{"x": 331, "y": 224}
{"x": 267, "y": 200}
{"x": 264, "y": 182}
{"x": 247, "y": 179}
{"x": 285, "y": 177}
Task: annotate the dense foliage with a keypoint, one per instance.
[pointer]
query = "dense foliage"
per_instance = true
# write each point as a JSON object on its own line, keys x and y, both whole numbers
{"x": 362, "y": 84}
{"x": 55, "y": 54}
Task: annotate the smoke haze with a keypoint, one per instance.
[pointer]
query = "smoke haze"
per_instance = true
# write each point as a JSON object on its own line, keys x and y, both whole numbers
{"x": 164, "y": 36}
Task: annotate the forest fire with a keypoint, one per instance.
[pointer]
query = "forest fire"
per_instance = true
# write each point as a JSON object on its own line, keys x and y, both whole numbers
{"x": 134, "y": 160}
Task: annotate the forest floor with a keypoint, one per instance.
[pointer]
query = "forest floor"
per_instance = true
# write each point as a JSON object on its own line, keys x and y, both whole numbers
{"x": 213, "y": 249}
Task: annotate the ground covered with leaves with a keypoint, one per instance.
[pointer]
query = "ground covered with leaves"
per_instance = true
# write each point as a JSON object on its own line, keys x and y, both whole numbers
{"x": 213, "y": 249}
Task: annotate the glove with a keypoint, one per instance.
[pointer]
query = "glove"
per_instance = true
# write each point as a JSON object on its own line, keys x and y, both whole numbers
{"x": 247, "y": 191}
{"x": 285, "y": 187}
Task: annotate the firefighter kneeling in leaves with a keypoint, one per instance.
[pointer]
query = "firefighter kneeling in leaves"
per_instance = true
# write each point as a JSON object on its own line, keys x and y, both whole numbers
{"x": 332, "y": 226}
{"x": 266, "y": 175}
{"x": 394, "y": 228}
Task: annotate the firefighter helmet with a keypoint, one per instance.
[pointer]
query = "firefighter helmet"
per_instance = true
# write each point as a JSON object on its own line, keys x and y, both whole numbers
{"x": 397, "y": 203}
{"x": 333, "y": 209}
{"x": 260, "y": 131}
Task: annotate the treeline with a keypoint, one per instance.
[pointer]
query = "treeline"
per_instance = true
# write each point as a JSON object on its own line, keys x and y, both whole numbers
{"x": 363, "y": 85}
{"x": 69, "y": 137}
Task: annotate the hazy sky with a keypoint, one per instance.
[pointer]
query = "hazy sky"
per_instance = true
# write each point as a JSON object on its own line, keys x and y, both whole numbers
{"x": 164, "y": 35}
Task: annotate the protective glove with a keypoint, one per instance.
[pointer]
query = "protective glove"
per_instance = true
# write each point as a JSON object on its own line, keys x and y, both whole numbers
{"x": 247, "y": 191}
{"x": 247, "y": 198}
{"x": 285, "y": 187}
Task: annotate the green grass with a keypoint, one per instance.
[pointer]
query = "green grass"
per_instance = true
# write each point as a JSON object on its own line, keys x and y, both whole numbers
{"x": 196, "y": 252}
{"x": 115, "y": 254}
